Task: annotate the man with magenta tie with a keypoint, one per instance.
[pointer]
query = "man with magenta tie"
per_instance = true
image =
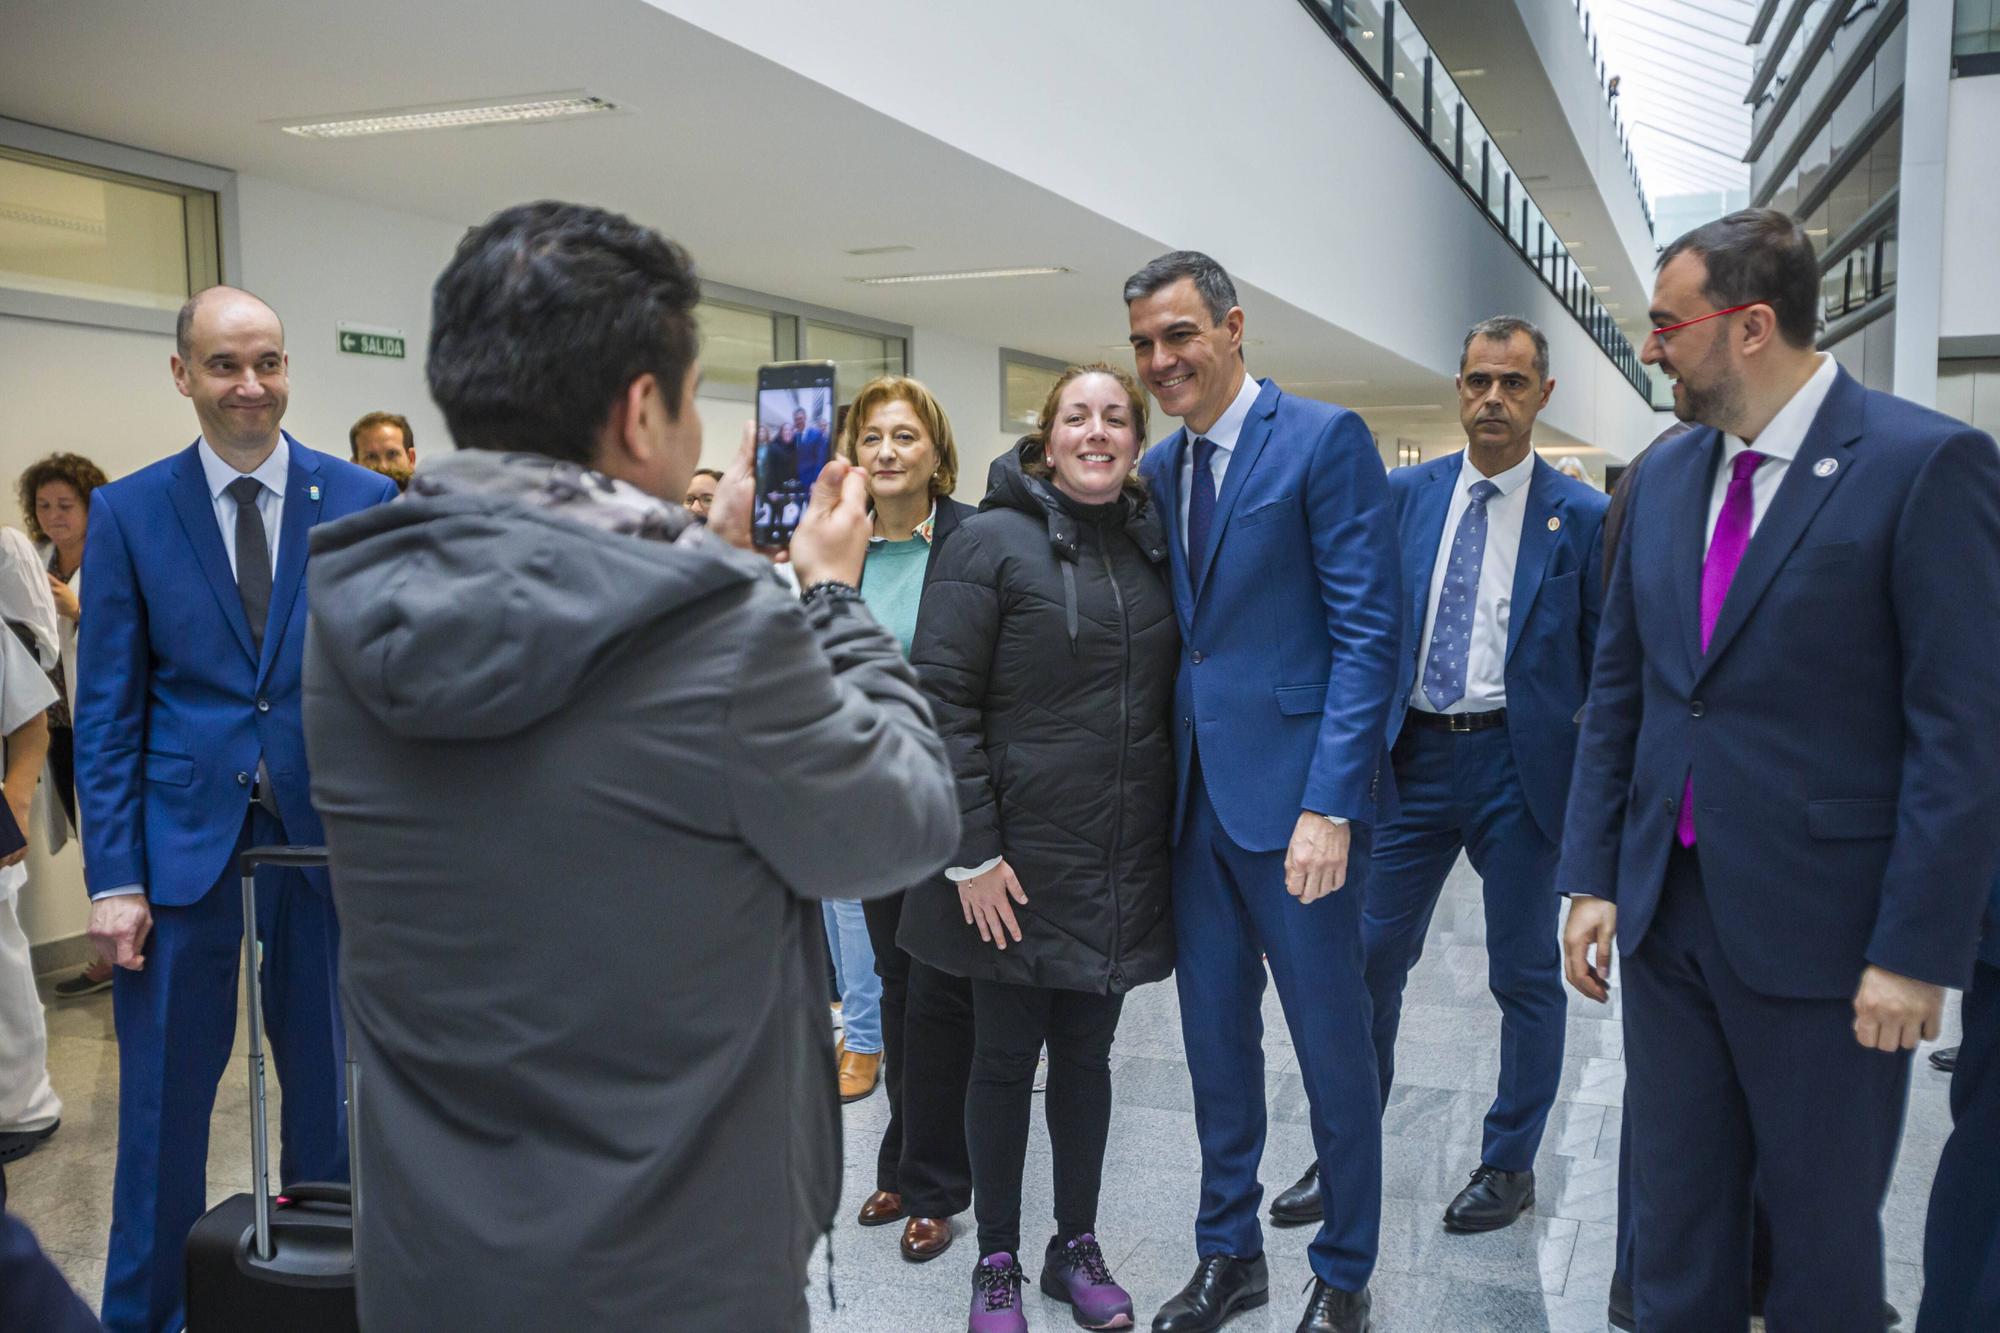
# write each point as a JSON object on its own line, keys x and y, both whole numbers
{"x": 1782, "y": 809}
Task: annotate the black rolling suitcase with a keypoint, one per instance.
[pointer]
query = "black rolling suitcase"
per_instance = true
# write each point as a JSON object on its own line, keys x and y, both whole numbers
{"x": 252, "y": 1264}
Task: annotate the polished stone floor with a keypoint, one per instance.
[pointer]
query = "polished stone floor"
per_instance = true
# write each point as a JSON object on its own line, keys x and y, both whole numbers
{"x": 1546, "y": 1272}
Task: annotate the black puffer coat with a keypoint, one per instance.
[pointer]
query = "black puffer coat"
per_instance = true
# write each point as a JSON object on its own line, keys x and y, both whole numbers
{"x": 1047, "y": 646}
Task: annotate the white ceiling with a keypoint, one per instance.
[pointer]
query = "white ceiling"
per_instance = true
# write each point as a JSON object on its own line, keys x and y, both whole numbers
{"x": 1684, "y": 70}
{"x": 768, "y": 178}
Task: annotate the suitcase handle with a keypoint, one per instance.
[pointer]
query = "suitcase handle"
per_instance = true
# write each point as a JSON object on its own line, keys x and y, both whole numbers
{"x": 317, "y": 1191}
{"x": 260, "y": 1147}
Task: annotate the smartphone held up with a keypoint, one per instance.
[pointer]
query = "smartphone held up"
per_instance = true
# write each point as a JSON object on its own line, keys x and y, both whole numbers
{"x": 794, "y": 441}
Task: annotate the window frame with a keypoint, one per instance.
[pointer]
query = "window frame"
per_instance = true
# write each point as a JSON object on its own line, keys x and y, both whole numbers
{"x": 88, "y": 153}
{"x": 794, "y": 315}
{"x": 1028, "y": 361}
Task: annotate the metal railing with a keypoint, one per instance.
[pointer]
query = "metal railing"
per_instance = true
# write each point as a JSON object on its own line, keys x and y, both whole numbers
{"x": 1387, "y": 46}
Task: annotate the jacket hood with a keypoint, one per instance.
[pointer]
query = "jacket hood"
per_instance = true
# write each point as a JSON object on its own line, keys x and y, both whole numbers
{"x": 472, "y": 614}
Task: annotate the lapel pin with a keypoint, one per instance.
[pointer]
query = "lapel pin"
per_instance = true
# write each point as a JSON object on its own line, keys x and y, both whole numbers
{"x": 313, "y": 493}
{"x": 1826, "y": 467}
{"x": 1555, "y": 523}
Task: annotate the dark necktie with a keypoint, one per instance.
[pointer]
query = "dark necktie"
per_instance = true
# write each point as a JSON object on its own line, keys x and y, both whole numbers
{"x": 253, "y": 557}
{"x": 1201, "y": 505}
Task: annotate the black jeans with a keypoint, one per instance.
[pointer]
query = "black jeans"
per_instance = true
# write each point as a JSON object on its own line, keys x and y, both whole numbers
{"x": 1010, "y": 1025}
{"x": 926, "y": 1056}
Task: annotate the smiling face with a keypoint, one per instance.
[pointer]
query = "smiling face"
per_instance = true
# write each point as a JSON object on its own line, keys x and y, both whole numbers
{"x": 235, "y": 372}
{"x": 896, "y": 452}
{"x": 381, "y": 448}
{"x": 1093, "y": 440}
{"x": 61, "y": 514}
{"x": 1697, "y": 359}
{"x": 1192, "y": 364}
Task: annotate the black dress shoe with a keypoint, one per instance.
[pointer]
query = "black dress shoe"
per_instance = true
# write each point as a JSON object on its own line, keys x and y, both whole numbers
{"x": 1222, "y": 1286}
{"x": 1331, "y": 1310}
{"x": 1944, "y": 1059}
{"x": 1618, "y": 1309}
{"x": 1493, "y": 1200}
{"x": 1300, "y": 1204}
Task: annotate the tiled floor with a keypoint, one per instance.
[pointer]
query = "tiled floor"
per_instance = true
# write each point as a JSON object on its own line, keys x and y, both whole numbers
{"x": 1547, "y": 1272}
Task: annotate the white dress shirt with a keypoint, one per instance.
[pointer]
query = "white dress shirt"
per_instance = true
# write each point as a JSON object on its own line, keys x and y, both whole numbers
{"x": 270, "y": 501}
{"x": 270, "y": 507}
{"x": 1486, "y": 655}
{"x": 1223, "y": 435}
{"x": 1779, "y": 444}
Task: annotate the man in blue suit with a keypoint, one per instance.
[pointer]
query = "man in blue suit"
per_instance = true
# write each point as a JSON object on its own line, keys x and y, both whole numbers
{"x": 1962, "y": 1232}
{"x": 1284, "y": 574}
{"x": 1502, "y": 585}
{"x": 1783, "y": 801}
{"x": 189, "y": 748}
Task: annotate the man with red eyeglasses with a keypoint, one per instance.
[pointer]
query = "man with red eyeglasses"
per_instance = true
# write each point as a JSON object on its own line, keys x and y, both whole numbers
{"x": 1781, "y": 809}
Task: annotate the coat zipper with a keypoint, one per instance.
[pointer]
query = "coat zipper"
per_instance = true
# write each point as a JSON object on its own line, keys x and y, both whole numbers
{"x": 1124, "y": 743}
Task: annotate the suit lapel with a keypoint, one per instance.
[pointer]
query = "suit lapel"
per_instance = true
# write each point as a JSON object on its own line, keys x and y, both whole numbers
{"x": 302, "y": 505}
{"x": 1538, "y": 546}
{"x": 1804, "y": 489}
{"x": 196, "y": 510}
{"x": 1688, "y": 508}
{"x": 1172, "y": 450}
{"x": 1431, "y": 504}
{"x": 1250, "y": 442}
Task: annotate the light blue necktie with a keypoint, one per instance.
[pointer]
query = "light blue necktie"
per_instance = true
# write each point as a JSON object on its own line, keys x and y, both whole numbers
{"x": 1458, "y": 600}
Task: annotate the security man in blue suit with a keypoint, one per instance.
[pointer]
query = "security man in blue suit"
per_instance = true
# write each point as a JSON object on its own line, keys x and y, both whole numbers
{"x": 1502, "y": 585}
{"x": 1284, "y": 573}
{"x": 1962, "y": 1232}
{"x": 189, "y": 748}
{"x": 1782, "y": 808}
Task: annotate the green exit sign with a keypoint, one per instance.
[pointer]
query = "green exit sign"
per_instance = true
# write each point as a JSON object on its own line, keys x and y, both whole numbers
{"x": 358, "y": 341}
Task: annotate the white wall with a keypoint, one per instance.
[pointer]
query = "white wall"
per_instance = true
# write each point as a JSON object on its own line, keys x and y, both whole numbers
{"x": 1971, "y": 304}
{"x": 108, "y": 394}
{"x": 1341, "y": 212}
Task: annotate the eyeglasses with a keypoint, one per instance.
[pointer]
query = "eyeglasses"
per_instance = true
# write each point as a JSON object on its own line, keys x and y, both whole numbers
{"x": 1713, "y": 314}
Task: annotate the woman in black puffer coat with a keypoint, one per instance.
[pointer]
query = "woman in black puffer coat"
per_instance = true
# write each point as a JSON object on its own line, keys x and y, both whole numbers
{"x": 1047, "y": 645}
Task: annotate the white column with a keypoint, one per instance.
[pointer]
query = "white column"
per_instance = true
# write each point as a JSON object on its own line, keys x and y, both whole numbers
{"x": 1920, "y": 204}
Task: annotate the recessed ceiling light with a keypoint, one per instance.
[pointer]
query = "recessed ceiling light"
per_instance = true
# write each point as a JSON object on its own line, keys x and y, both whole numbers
{"x": 1468, "y": 73}
{"x": 894, "y": 279}
{"x": 1587, "y": 268}
{"x": 1400, "y": 74}
{"x": 463, "y": 115}
{"x": 879, "y": 250}
{"x": 1815, "y": 231}
{"x": 1367, "y": 34}
{"x": 1601, "y": 287}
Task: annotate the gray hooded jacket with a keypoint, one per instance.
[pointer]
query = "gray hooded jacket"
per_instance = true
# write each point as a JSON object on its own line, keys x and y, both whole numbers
{"x": 582, "y": 792}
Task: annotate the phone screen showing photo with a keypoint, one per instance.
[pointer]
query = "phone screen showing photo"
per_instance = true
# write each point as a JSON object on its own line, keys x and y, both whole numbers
{"x": 795, "y": 416}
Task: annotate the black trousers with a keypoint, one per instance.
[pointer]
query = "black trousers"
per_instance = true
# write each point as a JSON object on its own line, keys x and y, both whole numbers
{"x": 62, "y": 768}
{"x": 926, "y": 1057}
{"x": 1010, "y": 1024}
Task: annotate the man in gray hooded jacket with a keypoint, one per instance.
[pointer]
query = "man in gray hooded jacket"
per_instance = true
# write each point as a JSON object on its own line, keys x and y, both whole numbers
{"x": 586, "y": 769}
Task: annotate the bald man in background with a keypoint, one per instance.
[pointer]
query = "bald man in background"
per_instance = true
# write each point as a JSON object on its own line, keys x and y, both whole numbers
{"x": 189, "y": 748}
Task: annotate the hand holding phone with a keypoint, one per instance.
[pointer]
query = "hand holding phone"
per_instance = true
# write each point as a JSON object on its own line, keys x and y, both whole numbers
{"x": 831, "y": 541}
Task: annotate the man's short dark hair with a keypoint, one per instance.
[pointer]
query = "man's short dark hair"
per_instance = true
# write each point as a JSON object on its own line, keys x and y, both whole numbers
{"x": 370, "y": 422}
{"x": 714, "y": 472}
{"x": 1218, "y": 293}
{"x": 1502, "y": 328}
{"x": 1758, "y": 255}
{"x": 545, "y": 316}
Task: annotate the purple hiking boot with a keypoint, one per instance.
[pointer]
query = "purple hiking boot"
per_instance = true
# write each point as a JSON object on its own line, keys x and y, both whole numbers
{"x": 996, "y": 1297}
{"x": 1077, "y": 1275}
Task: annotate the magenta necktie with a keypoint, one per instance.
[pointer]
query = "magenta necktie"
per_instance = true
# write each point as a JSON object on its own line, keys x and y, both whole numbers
{"x": 1725, "y": 553}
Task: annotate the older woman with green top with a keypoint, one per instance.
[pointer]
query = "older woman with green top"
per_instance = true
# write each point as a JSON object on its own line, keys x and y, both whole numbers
{"x": 900, "y": 438}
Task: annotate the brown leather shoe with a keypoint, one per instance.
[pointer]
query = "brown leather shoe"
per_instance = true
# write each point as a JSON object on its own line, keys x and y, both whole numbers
{"x": 858, "y": 1073}
{"x": 881, "y": 1209}
{"x": 925, "y": 1238}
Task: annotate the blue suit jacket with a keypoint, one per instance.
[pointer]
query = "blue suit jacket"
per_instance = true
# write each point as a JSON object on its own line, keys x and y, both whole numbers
{"x": 1842, "y": 726}
{"x": 1289, "y": 651}
{"x": 1551, "y": 619}
{"x": 173, "y": 709}
{"x": 34, "y": 1295}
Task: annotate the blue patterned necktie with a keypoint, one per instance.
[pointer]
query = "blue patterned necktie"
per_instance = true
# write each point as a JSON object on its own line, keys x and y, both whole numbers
{"x": 1458, "y": 600}
{"x": 1201, "y": 504}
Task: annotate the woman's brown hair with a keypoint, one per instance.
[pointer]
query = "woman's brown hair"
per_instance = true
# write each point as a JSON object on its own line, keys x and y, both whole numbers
{"x": 1035, "y": 454}
{"x": 903, "y": 389}
{"x": 74, "y": 470}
